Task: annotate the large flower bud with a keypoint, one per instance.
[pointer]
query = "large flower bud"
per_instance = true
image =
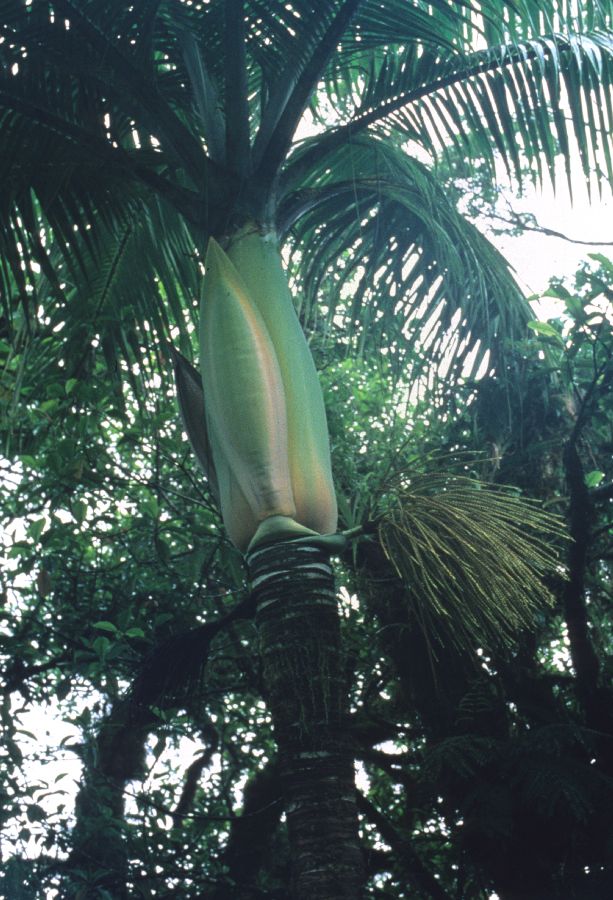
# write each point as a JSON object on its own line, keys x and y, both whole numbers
{"x": 258, "y": 422}
{"x": 257, "y": 259}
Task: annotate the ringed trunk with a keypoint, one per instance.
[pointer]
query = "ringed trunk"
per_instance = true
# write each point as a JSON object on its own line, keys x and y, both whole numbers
{"x": 300, "y": 647}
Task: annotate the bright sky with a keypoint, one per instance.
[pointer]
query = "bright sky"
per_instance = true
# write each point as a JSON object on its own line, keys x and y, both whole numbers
{"x": 537, "y": 257}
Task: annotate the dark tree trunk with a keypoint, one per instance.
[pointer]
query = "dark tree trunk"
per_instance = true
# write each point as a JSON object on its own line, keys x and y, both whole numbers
{"x": 300, "y": 647}
{"x": 99, "y": 857}
{"x": 250, "y": 846}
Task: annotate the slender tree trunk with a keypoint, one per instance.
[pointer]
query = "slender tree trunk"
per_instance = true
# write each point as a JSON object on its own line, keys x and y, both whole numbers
{"x": 300, "y": 646}
{"x": 593, "y": 691}
{"x": 99, "y": 857}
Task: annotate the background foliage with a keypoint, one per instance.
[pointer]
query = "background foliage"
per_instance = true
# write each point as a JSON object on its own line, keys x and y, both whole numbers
{"x": 126, "y": 629}
{"x": 469, "y": 763}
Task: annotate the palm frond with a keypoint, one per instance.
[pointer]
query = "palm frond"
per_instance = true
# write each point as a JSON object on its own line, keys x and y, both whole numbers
{"x": 525, "y": 100}
{"x": 287, "y": 116}
{"x": 121, "y": 288}
{"x": 107, "y": 112}
{"x": 549, "y": 768}
{"x": 473, "y": 556}
{"x": 496, "y": 20}
{"x": 206, "y": 98}
{"x": 460, "y": 756}
{"x": 395, "y": 261}
{"x": 84, "y": 101}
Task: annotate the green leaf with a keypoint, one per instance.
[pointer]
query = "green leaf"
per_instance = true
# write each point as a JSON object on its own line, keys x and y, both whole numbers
{"x": 575, "y": 308}
{"x": 101, "y": 646}
{"x": 150, "y": 505}
{"x": 105, "y": 626}
{"x": 49, "y": 406}
{"x": 17, "y": 550}
{"x": 36, "y": 813}
{"x": 79, "y": 510}
{"x": 547, "y": 331}
{"x": 593, "y": 478}
{"x": 604, "y": 261}
{"x": 232, "y": 560}
{"x": 543, "y": 328}
{"x": 56, "y": 391}
{"x": 36, "y": 528}
{"x": 162, "y": 549}
{"x": 135, "y": 633}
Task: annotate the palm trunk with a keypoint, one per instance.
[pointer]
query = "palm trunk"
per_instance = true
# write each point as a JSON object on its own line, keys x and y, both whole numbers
{"x": 300, "y": 646}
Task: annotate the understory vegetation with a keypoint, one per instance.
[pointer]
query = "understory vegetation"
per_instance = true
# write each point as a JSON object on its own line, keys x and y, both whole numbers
{"x": 470, "y": 760}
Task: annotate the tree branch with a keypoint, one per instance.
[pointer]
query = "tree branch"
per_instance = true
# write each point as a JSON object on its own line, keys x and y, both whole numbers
{"x": 585, "y": 660}
{"x": 595, "y": 698}
{"x": 407, "y": 858}
{"x": 529, "y": 222}
{"x": 174, "y": 668}
{"x": 251, "y": 832}
{"x": 194, "y": 772}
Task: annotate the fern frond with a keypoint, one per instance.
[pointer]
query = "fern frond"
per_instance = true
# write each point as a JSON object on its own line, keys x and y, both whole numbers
{"x": 473, "y": 555}
{"x": 460, "y": 756}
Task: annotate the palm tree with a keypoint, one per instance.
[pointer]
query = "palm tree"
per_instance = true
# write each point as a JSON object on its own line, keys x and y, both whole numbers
{"x": 133, "y": 133}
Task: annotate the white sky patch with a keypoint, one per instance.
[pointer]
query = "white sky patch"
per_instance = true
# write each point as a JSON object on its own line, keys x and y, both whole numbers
{"x": 538, "y": 257}
{"x": 51, "y": 767}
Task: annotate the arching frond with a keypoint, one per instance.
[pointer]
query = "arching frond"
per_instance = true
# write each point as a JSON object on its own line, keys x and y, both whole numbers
{"x": 112, "y": 112}
{"x": 524, "y": 101}
{"x": 395, "y": 261}
{"x": 90, "y": 115}
{"x": 118, "y": 286}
